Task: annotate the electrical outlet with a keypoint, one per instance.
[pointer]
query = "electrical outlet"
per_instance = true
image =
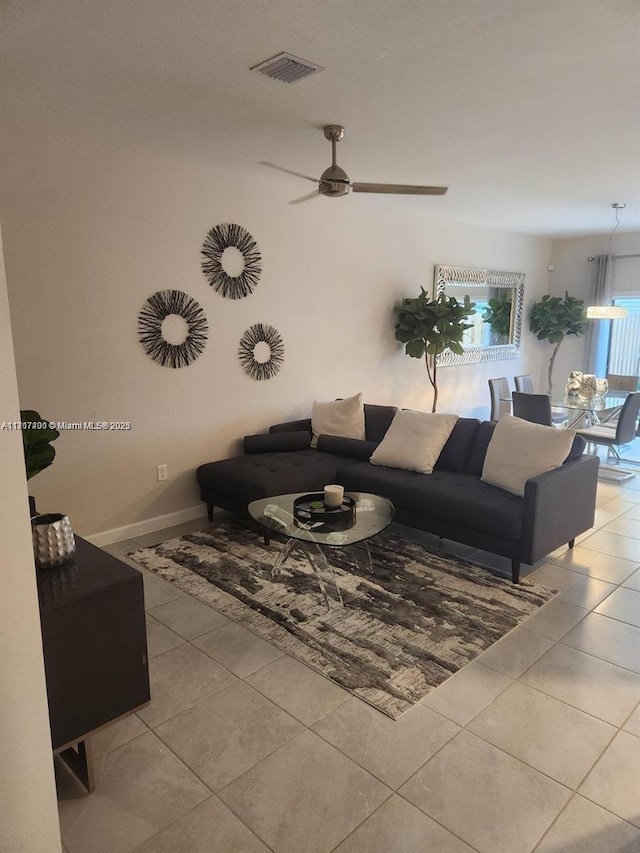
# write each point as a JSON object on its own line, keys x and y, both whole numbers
{"x": 162, "y": 473}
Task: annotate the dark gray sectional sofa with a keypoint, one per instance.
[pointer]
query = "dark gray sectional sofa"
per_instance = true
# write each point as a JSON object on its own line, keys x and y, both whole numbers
{"x": 452, "y": 502}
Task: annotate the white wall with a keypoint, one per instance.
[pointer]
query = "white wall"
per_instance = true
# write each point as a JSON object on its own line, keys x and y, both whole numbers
{"x": 572, "y": 272}
{"x": 28, "y": 812}
{"x": 93, "y": 229}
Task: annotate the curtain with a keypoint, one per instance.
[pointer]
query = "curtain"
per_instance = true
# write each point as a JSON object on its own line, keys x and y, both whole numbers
{"x": 599, "y": 331}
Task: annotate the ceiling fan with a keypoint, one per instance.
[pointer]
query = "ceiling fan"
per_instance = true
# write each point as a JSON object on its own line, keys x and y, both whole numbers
{"x": 334, "y": 181}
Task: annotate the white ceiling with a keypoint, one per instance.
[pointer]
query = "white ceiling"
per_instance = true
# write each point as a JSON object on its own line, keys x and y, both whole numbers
{"x": 528, "y": 109}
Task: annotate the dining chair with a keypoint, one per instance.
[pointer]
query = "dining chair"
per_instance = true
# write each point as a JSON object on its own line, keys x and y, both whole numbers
{"x": 618, "y": 382}
{"x": 499, "y": 390}
{"x": 524, "y": 383}
{"x": 532, "y": 407}
{"x": 624, "y": 432}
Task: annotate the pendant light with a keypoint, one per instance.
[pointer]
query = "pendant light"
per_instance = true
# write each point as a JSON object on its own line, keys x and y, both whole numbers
{"x": 609, "y": 312}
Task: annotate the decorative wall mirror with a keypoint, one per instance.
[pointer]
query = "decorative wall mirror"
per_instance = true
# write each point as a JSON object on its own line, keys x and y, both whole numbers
{"x": 497, "y": 323}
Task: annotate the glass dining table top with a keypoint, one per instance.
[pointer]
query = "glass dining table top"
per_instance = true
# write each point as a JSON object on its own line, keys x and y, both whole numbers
{"x": 611, "y": 400}
{"x": 587, "y": 410}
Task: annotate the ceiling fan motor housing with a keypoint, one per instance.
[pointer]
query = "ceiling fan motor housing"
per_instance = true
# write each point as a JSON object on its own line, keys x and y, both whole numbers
{"x": 334, "y": 182}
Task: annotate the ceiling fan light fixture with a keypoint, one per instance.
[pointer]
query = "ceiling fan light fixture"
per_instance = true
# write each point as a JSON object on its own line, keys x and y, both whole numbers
{"x": 608, "y": 311}
{"x": 334, "y": 189}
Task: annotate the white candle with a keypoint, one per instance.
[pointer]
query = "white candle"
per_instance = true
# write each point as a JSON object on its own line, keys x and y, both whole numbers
{"x": 333, "y": 495}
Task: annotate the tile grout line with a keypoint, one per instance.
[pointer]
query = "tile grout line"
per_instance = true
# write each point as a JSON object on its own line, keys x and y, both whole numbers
{"x": 500, "y": 692}
{"x": 567, "y": 646}
{"x": 561, "y": 642}
{"x": 237, "y": 679}
{"x": 564, "y": 701}
{"x": 370, "y": 772}
{"x": 593, "y": 577}
{"x": 553, "y": 822}
{"x": 592, "y": 655}
{"x": 412, "y": 805}
{"x": 215, "y": 793}
{"x": 628, "y": 717}
{"x": 208, "y": 799}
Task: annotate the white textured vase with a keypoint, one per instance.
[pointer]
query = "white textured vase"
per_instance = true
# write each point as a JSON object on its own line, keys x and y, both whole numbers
{"x": 53, "y": 540}
{"x": 572, "y": 388}
{"x": 588, "y": 385}
{"x": 602, "y": 387}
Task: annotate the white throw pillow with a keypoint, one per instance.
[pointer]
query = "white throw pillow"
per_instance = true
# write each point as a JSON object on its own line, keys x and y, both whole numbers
{"x": 519, "y": 450}
{"x": 414, "y": 441}
{"x": 339, "y": 417}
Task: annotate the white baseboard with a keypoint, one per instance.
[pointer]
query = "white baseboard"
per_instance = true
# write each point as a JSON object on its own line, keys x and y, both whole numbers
{"x": 149, "y": 525}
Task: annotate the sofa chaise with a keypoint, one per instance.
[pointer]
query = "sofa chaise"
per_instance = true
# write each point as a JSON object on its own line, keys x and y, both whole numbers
{"x": 452, "y": 502}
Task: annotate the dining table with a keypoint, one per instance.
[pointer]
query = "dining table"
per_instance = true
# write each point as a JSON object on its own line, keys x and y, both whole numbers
{"x": 587, "y": 411}
{"x": 590, "y": 411}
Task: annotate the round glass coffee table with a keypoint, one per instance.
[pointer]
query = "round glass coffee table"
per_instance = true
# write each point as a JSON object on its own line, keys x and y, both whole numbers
{"x": 275, "y": 514}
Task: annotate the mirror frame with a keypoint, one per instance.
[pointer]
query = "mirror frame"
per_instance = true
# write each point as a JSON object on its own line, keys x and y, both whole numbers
{"x": 471, "y": 277}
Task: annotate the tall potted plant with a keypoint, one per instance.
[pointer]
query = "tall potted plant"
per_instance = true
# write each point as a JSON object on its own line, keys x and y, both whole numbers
{"x": 498, "y": 315}
{"x": 428, "y": 327}
{"x": 553, "y": 319}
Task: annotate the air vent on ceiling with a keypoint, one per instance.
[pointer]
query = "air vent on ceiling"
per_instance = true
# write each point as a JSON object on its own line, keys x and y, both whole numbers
{"x": 287, "y": 68}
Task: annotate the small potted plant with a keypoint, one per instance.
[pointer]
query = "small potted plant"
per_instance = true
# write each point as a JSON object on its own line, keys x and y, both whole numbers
{"x": 553, "y": 319}
{"x": 428, "y": 327}
{"x": 37, "y": 436}
{"x": 53, "y": 540}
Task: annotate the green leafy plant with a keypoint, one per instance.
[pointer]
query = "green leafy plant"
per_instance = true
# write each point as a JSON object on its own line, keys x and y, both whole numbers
{"x": 36, "y": 438}
{"x": 428, "y": 327}
{"x": 498, "y": 315}
{"x": 553, "y": 319}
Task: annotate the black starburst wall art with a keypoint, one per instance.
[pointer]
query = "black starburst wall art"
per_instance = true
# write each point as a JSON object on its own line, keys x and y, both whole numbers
{"x": 223, "y": 237}
{"x": 155, "y": 310}
{"x": 259, "y": 334}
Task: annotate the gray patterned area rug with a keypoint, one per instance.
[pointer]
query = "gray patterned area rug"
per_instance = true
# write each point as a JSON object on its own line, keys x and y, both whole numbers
{"x": 412, "y": 617}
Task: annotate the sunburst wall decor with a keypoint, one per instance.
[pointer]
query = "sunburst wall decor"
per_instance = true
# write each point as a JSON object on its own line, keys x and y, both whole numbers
{"x": 225, "y": 236}
{"x": 257, "y": 334}
{"x": 155, "y": 310}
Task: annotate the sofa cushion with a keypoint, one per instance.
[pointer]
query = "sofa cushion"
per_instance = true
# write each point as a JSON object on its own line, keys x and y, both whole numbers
{"x": 481, "y": 443}
{"x": 414, "y": 441}
{"x": 577, "y": 449}
{"x": 479, "y": 449}
{"x": 260, "y": 475}
{"x": 292, "y": 426}
{"x": 277, "y": 441}
{"x": 355, "y": 448}
{"x": 378, "y": 420}
{"x": 456, "y": 452}
{"x": 520, "y": 450}
{"x": 338, "y": 417}
{"x": 446, "y": 495}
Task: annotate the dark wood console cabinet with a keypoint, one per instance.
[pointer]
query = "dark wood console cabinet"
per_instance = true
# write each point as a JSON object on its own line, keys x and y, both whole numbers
{"x": 95, "y": 649}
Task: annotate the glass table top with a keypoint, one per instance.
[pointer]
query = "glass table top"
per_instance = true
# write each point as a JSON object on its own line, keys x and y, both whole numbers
{"x": 611, "y": 400}
{"x": 373, "y": 514}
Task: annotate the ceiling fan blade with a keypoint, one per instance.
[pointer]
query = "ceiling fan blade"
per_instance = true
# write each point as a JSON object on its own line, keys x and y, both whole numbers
{"x": 398, "y": 189}
{"x": 304, "y": 197}
{"x": 288, "y": 171}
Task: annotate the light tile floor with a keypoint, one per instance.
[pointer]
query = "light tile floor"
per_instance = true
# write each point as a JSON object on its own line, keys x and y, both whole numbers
{"x": 535, "y": 746}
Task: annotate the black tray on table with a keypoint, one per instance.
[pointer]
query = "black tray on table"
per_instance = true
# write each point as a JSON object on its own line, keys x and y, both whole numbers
{"x": 311, "y": 510}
